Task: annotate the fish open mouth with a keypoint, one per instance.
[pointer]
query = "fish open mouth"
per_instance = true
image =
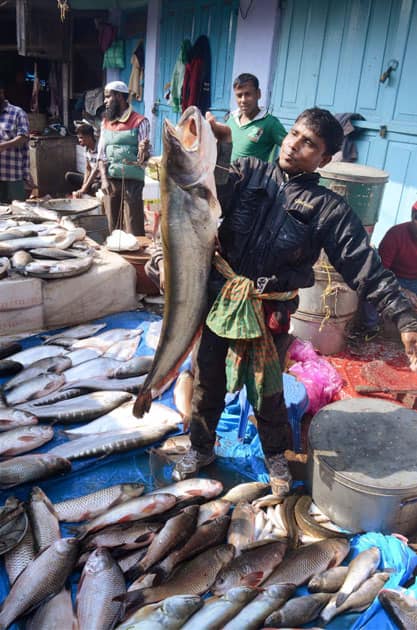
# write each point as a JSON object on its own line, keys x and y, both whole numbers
{"x": 187, "y": 132}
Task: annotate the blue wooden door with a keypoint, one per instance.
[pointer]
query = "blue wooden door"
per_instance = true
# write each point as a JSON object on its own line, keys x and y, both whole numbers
{"x": 333, "y": 53}
{"x": 188, "y": 20}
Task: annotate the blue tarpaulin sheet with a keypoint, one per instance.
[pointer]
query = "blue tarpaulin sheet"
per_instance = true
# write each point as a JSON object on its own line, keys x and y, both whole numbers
{"x": 232, "y": 467}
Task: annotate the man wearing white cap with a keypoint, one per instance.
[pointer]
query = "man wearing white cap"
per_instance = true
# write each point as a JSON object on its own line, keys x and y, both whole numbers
{"x": 124, "y": 147}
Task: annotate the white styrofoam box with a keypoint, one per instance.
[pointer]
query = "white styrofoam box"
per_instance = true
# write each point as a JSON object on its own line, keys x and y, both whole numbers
{"x": 19, "y": 292}
{"x": 108, "y": 287}
{"x": 21, "y": 320}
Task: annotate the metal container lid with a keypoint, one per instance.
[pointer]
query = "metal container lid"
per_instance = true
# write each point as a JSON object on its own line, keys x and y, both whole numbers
{"x": 367, "y": 443}
{"x": 67, "y": 205}
{"x": 359, "y": 173}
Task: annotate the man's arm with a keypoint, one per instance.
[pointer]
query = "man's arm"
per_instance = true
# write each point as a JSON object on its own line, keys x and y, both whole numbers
{"x": 16, "y": 142}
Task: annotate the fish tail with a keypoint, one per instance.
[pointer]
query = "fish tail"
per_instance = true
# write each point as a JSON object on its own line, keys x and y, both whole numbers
{"x": 142, "y": 404}
{"x": 132, "y": 601}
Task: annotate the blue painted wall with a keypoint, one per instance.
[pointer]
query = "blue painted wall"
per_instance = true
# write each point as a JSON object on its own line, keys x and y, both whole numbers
{"x": 332, "y": 53}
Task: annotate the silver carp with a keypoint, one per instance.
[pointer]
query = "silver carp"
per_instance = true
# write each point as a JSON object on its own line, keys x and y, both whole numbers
{"x": 190, "y": 212}
{"x": 101, "y": 580}
{"x": 247, "y": 491}
{"x": 54, "y": 365}
{"x": 76, "y": 332}
{"x": 401, "y": 607}
{"x": 206, "y": 535}
{"x": 219, "y": 610}
{"x": 45, "y": 524}
{"x": 298, "y": 611}
{"x": 300, "y": 565}
{"x": 14, "y": 418}
{"x": 251, "y": 567}
{"x": 195, "y": 577}
{"x": 360, "y": 568}
{"x": 80, "y": 409}
{"x": 24, "y": 439}
{"x": 42, "y": 578}
{"x": 358, "y": 600}
{"x": 174, "y": 533}
{"x": 112, "y": 442}
{"x": 37, "y": 387}
{"x": 32, "y": 467}
{"x": 253, "y": 614}
{"x": 193, "y": 487}
{"x": 133, "y": 510}
{"x": 55, "y": 613}
{"x": 121, "y": 419}
{"x": 35, "y": 353}
{"x": 91, "y": 505}
{"x": 19, "y": 557}
{"x": 171, "y": 614}
{"x": 51, "y": 269}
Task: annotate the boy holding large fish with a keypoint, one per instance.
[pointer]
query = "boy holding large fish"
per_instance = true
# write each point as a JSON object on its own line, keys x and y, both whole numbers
{"x": 275, "y": 222}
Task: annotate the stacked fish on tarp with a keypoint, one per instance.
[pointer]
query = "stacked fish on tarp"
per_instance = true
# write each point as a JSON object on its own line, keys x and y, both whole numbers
{"x": 79, "y": 376}
{"x": 38, "y": 242}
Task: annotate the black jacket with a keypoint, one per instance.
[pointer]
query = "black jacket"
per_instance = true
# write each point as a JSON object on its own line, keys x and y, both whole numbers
{"x": 275, "y": 229}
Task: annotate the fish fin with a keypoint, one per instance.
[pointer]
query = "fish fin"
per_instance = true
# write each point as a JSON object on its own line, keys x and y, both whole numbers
{"x": 134, "y": 572}
{"x": 341, "y": 598}
{"x": 252, "y": 579}
{"x": 142, "y": 404}
{"x": 132, "y": 599}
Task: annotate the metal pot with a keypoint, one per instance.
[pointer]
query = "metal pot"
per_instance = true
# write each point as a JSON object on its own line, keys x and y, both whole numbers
{"x": 362, "y": 465}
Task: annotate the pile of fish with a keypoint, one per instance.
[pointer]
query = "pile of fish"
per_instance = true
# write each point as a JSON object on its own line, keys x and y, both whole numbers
{"x": 181, "y": 556}
{"x": 38, "y": 242}
{"x": 82, "y": 376}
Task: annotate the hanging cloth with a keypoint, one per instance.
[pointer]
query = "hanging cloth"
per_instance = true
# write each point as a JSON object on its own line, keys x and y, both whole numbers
{"x": 137, "y": 73}
{"x": 196, "y": 88}
{"x": 177, "y": 78}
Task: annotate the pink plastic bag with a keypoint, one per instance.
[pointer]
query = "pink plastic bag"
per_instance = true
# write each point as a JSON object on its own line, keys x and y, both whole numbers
{"x": 319, "y": 377}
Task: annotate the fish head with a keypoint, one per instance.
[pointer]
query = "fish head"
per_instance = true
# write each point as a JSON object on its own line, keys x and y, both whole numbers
{"x": 67, "y": 546}
{"x": 190, "y": 155}
{"x": 99, "y": 560}
{"x": 179, "y": 606}
{"x": 398, "y": 603}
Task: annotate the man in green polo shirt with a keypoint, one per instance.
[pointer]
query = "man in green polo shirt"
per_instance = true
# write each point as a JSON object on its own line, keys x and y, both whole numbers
{"x": 250, "y": 128}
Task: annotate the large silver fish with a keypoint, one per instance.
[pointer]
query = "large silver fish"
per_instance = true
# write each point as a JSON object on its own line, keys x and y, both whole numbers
{"x": 43, "y": 577}
{"x": 112, "y": 441}
{"x": 91, "y": 505}
{"x": 55, "y": 613}
{"x": 52, "y": 269}
{"x": 76, "y": 332}
{"x": 24, "y": 439}
{"x": 50, "y": 364}
{"x": 218, "y": 610}
{"x": 190, "y": 211}
{"x": 36, "y": 387}
{"x": 63, "y": 240}
{"x": 35, "y": 353}
{"x": 80, "y": 409}
{"x": 13, "y": 418}
{"x": 25, "y": 468}
{"x": 360, "y": 568}
{"x": 171, "y": 614}
{"x": 122, "y": 419}
{"x": 401, "y": 607}
{"x": 101, "y": 580}
{"x": 253, "y": 614}
{"x": 44, "y": 521}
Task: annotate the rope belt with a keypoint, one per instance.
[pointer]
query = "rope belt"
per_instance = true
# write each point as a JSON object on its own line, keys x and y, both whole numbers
{"x": 237, "y": 315}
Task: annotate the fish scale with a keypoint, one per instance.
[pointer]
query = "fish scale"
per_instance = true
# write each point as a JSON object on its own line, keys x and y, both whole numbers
{"x": 91, "y": 505}
{"x": 300, "y": 565}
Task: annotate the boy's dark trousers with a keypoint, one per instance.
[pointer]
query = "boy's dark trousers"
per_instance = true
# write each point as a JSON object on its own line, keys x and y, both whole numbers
{"x": 209, "y": 392}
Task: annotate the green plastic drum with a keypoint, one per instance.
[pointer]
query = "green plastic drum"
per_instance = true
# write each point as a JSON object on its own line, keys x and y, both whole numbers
{"x": 361, "y": 185}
